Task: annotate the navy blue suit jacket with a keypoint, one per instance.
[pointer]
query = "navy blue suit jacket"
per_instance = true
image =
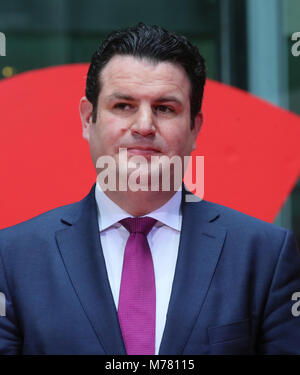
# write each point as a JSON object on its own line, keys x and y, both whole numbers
{"x": 232, "y": 290}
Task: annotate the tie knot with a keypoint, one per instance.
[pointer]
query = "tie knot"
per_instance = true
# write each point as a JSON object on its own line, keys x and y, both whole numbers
{"x": 138, "y": 224}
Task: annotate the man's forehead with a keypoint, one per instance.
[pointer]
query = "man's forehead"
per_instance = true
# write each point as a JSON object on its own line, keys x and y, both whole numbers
{"x": 130, "y": 70}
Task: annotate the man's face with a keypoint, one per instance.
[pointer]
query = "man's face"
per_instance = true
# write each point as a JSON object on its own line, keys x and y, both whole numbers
{"x": 143, "y": 107}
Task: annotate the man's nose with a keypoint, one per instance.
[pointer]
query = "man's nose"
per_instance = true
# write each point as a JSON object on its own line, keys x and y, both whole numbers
{"x": 144, "y": 122}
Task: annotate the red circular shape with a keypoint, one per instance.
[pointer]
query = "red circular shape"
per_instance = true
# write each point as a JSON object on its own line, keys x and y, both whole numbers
{"x": 252, "y": 158}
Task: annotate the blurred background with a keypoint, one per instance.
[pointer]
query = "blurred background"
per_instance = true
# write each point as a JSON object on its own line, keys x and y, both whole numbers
{"x": 246, "y": 43}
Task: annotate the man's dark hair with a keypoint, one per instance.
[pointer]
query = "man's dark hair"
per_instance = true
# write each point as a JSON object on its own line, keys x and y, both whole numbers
{"x": 157, "y": 45}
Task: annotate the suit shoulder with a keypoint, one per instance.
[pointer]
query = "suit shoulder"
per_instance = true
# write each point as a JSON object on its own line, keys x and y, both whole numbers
{"x": 237, "y": 220}
{"x": 48, "y": 221}
{"x": 249, "y": 235}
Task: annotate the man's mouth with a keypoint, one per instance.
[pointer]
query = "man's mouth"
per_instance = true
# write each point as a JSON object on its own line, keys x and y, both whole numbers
{"x": 142, "y": 150}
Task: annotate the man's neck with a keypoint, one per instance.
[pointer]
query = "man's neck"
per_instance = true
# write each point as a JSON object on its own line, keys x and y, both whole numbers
{"x": 140, "y": 203}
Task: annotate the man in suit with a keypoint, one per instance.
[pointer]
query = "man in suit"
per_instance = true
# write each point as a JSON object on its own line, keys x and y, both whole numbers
{"x": 211, "y": 279}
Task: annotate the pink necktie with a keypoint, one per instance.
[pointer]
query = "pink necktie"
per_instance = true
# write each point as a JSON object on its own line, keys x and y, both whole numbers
{"x": 137, "y": 300}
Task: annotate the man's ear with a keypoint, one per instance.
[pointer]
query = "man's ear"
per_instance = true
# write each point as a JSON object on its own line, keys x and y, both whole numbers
{"x": 86, "y": 113}
{"x": 197, "y": 127}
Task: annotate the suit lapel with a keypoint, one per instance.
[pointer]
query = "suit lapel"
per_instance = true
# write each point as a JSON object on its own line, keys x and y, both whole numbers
{"x": 200, "y": 246}
{"x": 81, "y": 250}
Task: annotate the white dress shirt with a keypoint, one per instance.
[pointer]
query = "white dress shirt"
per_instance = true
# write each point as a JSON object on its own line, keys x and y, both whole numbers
{"x": 163, "y": 241}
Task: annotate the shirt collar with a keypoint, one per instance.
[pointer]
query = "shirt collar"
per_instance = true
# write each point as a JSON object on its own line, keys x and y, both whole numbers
{"x": 109, "y": 213}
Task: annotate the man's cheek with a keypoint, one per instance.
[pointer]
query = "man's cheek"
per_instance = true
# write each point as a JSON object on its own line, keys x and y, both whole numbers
{"x": 110, "y": 121}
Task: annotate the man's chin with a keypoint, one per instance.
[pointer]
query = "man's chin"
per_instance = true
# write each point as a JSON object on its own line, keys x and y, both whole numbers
{"x": 139, "y": 173}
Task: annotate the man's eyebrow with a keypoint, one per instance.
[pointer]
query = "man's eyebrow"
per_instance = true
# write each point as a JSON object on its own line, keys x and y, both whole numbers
{"x": 165, "y": 99}
{"x": 121, "y": 96}
{"x": 161, "y": 99}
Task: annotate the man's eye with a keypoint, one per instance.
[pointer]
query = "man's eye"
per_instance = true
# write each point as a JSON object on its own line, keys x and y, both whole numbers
{"x": 123, "y": 106}
{"x": 164, "y": 109}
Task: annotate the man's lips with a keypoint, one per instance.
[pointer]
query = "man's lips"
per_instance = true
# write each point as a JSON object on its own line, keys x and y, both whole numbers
{"x": 142, "y": 150}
